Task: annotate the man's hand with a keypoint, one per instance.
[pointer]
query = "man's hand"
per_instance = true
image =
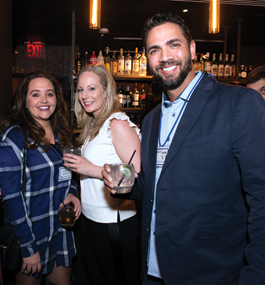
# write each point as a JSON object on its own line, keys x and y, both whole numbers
{"x": 107, "y": 179}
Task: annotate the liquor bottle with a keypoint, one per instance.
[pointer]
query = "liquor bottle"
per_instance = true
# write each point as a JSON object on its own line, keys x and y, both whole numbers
{"x": 135, "y": 97}
{"x": 120, "y": 95}
{"x": 196, "y": 63}
{"x": 121, "y": 63}
{"x": 142, "y": 97}
{"x": 107, "y": 59}
{"x": 100, "y": 58}
{"x": 207, "y": 64}
{"x": 244, "y": 72}
{"x": 128, "y": 97}
{"x": 220, "y": 70}
{"x": 142, "y": 69}
{"x": 214, "y": 66}
{"x": 227, "y": 67}
{"x": 201, "y": 63}
{"x": 78, "y": 63}
{"x": 93, "y": 58}
{"x": 136, "y": 63}
{"x": 114, "y": 64}
{"x": 128, "y": 64}
{"x": 86, "y": 59}
{"x": 233, "y": 66}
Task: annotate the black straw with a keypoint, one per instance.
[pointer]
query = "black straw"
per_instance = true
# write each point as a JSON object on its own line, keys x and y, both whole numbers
{"x": 132, "y": 156}
{"x": 128, "y": 163}
{"x": 63, "y": 202}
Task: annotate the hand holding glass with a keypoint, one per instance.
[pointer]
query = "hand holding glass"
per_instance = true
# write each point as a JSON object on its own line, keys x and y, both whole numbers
{"x": 123, "y": 176}
{"x": 72, "y": 150}
{"x": 67, "y": 216}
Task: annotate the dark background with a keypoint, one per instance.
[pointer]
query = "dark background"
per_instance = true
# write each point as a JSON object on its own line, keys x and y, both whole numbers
{"x": 49, "y": 21}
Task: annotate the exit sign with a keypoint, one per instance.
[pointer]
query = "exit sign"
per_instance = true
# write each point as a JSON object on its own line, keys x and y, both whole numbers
{"x": 34, "y": 49}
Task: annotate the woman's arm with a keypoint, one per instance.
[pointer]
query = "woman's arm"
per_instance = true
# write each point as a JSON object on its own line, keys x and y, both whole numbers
{"x": 82, "y": 165}
{"x": 125, "y": 141}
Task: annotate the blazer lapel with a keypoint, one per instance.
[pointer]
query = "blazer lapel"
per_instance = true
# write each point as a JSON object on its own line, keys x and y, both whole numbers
{"x": 153, "y": 145}
{"x": 191, "y": 113}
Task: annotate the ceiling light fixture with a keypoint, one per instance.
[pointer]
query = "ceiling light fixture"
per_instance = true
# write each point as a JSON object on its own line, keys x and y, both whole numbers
{"x": 214, "y": 16}
{"x": 95, "y": 14}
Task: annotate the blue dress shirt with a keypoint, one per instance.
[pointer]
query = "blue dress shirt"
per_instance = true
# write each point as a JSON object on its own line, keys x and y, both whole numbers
{"x": 171, "y": 114}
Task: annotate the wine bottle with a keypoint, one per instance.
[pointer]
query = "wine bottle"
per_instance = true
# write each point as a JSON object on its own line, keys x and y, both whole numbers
{"x": 220, "y": 70}
{"x": 107, "y": 59}
{"x": 128, "y": 64}
{"x": 78, "y": 63}
{"x": 214, "y": 66}
{"x": 136, "y": 63}
{"x": 114, "y": 64}
{"x": 142, "y": 97}
{"x": 135, "y": 97}
{"x": 100, "y": 58}
{"x": 121, "y": 63}
{"x": 227, "y": 67}
{"x": 142, "y": 69}
{"x": 93, "y": 58}
{"x": 128, "y": 97}
{"x": 207, "y": 64}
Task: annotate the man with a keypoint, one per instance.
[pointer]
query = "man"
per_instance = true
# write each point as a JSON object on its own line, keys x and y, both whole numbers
{"x": 256, "y": 80}
{"x": 202, "y": 181}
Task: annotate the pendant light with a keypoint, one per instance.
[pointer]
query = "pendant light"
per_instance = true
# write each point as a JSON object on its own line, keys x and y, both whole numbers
{"x": 95, "y": 14}
{"x": 214, "y": 16}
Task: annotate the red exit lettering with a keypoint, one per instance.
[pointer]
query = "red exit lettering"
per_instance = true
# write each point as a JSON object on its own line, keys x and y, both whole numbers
{"x": 34, "y": 50}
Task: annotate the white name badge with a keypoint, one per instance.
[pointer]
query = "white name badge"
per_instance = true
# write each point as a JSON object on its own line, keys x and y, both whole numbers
{"x": 161, "y": 156}
{"x": 64, "y": 174}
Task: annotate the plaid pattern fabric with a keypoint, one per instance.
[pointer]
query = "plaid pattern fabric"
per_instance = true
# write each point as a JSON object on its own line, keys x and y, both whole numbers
{"x": 35, "y": 216}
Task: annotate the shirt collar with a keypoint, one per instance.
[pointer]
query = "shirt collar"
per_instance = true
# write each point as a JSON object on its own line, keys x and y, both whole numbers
{"x": 183, "y": 96}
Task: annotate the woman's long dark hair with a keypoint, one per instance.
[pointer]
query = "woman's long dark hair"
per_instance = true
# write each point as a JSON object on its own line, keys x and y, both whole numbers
{"x": 19, "y": 114}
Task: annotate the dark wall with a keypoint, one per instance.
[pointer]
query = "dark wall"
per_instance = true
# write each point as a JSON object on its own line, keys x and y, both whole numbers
{"x": 5, "y": 55}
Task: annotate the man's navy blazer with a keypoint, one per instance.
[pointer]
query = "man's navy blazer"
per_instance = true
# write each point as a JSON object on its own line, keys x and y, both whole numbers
{"x": 210, "y": 209}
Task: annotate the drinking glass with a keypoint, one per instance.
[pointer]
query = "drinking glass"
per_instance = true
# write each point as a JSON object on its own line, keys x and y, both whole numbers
{"x": 72, "y": 150}
{"x": 67, "y": 216}
{"x": 122, "y": 175}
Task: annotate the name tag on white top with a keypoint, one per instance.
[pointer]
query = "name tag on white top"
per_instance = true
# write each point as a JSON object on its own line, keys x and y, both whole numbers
{"x": 161, "y": 156}
{"x": 64, "y": 174}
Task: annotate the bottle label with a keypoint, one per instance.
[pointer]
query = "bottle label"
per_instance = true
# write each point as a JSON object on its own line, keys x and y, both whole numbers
{"x": 128, "y": 66}
{"x": 227, "y": 71}
{"x": 136, "y": 97}
{"x": 207, "y": 67}
{"x": 136, "y": 66}
{"x": 121, "y": 67}
{"x": 107, "y": 64}
{"x": 214, "y": 70}
{"x": 243, "y": 74}
{"x": 221, "y": 70}
{"x": 114, "y": 67}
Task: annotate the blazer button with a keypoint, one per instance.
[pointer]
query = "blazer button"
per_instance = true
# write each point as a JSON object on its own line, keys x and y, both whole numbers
{"x": 151, "y": 200}
{"x": 147, "y": 229}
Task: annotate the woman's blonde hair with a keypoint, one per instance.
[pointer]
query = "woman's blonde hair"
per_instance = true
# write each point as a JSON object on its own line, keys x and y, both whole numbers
{"x": 86, "y": 121}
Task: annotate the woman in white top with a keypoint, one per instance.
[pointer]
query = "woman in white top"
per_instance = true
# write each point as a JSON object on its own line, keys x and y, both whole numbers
{"x": 108, "y": 226}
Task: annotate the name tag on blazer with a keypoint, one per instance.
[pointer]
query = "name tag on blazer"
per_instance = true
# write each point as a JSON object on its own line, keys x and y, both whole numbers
{"x": 64, "y": 174}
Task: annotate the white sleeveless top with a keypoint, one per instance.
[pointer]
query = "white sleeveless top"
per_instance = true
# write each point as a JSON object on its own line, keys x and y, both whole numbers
{"x": 97, "y": 203}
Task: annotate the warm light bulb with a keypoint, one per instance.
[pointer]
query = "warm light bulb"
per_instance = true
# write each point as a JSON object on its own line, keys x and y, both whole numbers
{"x": 95, "y": 14}
{"x": 214, "y": 16}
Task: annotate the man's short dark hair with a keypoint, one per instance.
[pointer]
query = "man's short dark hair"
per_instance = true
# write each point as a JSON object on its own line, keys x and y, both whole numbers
{"x": 256, "y": 74}
{"x": 162, "y": 18}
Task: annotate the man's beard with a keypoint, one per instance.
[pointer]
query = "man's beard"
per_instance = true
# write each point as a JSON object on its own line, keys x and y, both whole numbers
{"x": 174, "y": 83}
